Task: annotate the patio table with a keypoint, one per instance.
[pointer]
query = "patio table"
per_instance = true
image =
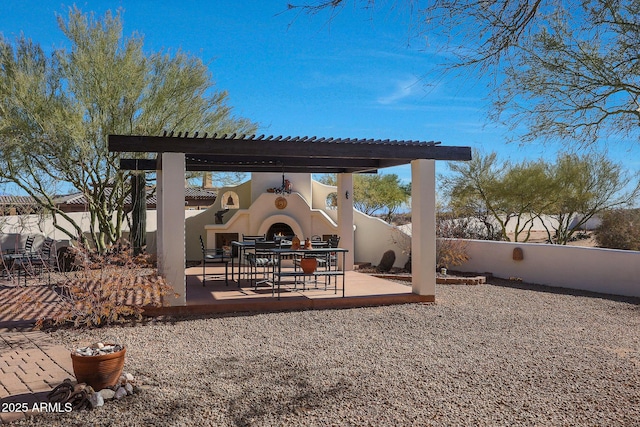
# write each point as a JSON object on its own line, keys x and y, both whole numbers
{"x": 242, "y": 248}
{"x": 327, "y": 273}
{"x": 10, "y": 260}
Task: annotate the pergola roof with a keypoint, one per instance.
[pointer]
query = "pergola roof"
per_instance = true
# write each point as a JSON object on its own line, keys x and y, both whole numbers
{"x": 243, "y": 153}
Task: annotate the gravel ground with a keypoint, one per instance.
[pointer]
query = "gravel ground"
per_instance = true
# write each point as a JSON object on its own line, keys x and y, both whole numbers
{"x": 487, "y": 355}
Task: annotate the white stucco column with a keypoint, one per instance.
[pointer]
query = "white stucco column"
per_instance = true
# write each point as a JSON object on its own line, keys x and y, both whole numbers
{"x": 171, "y": 231}
{"x": 345, "y": 219}
{"x": 423, "y": 227}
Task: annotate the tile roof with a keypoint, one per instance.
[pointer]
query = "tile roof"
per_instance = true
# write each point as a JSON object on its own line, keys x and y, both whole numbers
{"x": 16, "y": 200}
{"x": 78, "y": 199}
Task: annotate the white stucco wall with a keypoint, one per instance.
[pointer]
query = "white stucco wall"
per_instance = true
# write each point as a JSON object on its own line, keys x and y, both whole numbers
{"x": 608, "y": 271}
{"x": 16, "y": 225}
{"x": 256, "y": 220}
{"x": 35, "y": 224}
{"x": 260, "y": 182}
{"x": 373, "y": 237}
{"x": 320, "y": 193}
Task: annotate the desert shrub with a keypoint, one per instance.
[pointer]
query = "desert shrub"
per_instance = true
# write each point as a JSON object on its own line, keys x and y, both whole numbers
{"x": 402, "y": 218}
{"x": 619, "y": 229}
{"x": 450, "y": 252}
{"x": 451, "y": 226}
{"x": 104, "y": 289}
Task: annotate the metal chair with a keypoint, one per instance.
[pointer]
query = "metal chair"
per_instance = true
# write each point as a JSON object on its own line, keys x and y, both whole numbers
{"x": 261, "y": 257}
{"x": 45, "y": 259}
{"x": 32, "y": 262}
{"x": 252, "y": 238}
{"x": 213, "y": 256}
{"x": 14, "y": 261}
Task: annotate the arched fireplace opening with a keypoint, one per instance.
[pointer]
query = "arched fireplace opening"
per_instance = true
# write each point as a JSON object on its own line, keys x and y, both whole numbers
{"x": 280, "y": 229}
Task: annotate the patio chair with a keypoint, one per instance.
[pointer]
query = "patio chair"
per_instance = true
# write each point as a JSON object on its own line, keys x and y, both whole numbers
{"x": 331, "y": 261}
{"x": 9, "y": 259}
{"x": 214, "y": 256}
{"x": 44, "y": 259}
{"x": 261, "y": 257}
{"x": 333, "y": 242}
{"x": 33, "y": 263}
{"x": 252, "y": 238}
{"x": 28, "y": 245}
{"x": 321, "y": 259}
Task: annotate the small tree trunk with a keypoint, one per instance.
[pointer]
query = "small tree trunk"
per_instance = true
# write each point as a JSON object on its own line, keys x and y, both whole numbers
{"x": 138, "y": 212}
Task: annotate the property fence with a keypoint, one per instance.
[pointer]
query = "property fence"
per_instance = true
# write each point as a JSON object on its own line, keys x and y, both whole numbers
{"x": 608, "y": 271}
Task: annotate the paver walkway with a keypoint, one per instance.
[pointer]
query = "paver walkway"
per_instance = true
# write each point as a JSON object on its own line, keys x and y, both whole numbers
{"x": 30, "y": 363}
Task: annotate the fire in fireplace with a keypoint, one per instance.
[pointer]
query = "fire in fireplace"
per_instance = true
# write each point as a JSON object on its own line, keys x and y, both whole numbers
{"x": 279, "y": 229}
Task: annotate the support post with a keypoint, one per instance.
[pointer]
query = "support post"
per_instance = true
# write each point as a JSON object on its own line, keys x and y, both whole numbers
{"x": 138, "y": 232}
{"x": 345, "y": 220}
{"x": 423, "y": 225}
{"x": 171, "y": 225}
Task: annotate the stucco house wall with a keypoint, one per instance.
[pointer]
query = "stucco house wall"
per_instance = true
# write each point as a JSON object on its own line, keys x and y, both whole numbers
{"x": 306, "y": 213}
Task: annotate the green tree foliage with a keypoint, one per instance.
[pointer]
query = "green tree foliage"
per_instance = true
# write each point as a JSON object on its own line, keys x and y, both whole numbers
{"x": 56, "y": 112}
{"x": 498, "y": 193}
{"x": 619, "y": 229}
{"x": 564, "y": 70}
{"x": 569, "y": 192}
{"x": 582, "y": 187}
{"x": 379, "y": 193}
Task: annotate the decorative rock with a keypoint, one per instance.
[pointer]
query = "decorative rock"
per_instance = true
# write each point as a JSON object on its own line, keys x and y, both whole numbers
{"x": 96, "y": 400}
{"x": 386, "y": 263}
{"x": 128, "y": 376}
{"x": 129, "y": 388}
{"x": 107, "y": 393}
{"x": 97, "y": 349}
{"x": 120, "y": 393}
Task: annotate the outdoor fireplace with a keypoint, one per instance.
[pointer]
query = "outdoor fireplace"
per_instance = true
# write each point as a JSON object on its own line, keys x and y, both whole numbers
{"x": 279, "y": 229}
{"x": 223, "y": 241}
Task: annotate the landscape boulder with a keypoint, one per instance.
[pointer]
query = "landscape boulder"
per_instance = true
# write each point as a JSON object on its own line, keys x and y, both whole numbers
{"x": 386, "y": 263}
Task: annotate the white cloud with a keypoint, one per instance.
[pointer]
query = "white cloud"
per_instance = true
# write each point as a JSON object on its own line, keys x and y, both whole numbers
{"x": 403, "y": 89}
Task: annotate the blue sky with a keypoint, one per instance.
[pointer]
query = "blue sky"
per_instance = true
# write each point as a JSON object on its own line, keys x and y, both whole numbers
{"x": 356, "y": 76}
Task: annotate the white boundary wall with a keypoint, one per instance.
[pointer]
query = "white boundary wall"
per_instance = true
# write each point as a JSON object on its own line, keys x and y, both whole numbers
{"x": 608, "y": 271}
{"x": 34, "y": 224}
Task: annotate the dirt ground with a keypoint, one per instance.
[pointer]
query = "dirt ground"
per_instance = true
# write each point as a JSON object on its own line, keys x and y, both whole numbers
{"x": 541, "y": 237}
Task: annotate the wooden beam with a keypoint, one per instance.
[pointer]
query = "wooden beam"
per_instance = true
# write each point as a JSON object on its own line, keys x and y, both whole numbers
{"x": 256, "y": 165}
{"x": 343, "y": 149}
{"x": 139, "y": 164}
{"x": 284, "y": 161}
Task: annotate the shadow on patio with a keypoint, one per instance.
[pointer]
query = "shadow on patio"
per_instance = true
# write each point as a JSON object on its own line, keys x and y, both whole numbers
{"x": 361, "y": 290}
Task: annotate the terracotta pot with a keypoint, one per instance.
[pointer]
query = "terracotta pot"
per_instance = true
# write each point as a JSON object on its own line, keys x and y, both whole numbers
{"x": 308, "y": 265}
{"x": 98, "y": 371}
{"x": 295, "y": 243}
